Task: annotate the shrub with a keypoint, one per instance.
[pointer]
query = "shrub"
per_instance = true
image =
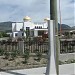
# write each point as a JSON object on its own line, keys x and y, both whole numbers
{"x": 26, "y": 55}
{"x": 14, "y": 53}
{"x": 1, "y": 52}
{"x": 6, "y": 64}
{"x": 17, "y": 63}
{"x": 46, "y": 51}
{"x": 6, "y": 55}
{"x": 38, "y": 54}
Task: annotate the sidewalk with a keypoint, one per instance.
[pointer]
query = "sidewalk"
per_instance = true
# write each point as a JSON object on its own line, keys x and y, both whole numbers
{"x": 67, "y": 69}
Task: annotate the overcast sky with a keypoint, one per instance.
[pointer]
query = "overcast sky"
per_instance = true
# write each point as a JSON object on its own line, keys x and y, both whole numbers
{"x": 16, "y": 10}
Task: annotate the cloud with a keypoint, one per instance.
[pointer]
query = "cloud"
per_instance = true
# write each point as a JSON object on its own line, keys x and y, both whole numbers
{"x": 72, "y": 1}
{"x": 67, "y": 12}
{"x": 15, "y": 10}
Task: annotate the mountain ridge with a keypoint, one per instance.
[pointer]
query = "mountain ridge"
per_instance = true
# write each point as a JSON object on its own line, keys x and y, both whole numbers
{"x": 7, "y": 26}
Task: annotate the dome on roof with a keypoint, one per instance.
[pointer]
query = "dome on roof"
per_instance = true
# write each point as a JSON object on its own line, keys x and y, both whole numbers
{"x": 27, "y": 18}
{"x": 46, "y": 19}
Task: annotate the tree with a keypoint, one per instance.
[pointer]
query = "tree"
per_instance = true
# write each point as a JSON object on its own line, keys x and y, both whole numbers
{"x": 1, "y": 35}
{"x": 4, "y": 34}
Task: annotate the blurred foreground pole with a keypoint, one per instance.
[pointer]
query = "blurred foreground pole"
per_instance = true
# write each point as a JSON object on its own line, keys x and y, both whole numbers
{"x": 53, "y": 16}
{"x": 51, "y": 66}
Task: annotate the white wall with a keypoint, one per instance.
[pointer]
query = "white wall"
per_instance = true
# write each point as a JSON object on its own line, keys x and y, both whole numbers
{"x": 45, "y": 25}
{"x": 19, "y": 26}
{"x": 28, "y": 24}
{"x": 20, "y": 34}
{"x": 13, "y": 27}
{"x": 35, "y": 33}
{"x": 13, "y": 34}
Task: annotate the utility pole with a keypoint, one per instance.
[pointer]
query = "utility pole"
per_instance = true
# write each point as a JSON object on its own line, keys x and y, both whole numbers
{"x": 53, "y": 16}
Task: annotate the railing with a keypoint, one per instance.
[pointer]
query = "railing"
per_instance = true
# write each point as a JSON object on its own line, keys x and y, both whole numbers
{"x": 9, "y": 46}
{"x": 66, "y": 46}
{"x": 33, "y": 46}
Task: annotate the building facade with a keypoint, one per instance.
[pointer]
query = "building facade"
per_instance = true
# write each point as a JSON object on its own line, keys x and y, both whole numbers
{"x": 28, "y": 28}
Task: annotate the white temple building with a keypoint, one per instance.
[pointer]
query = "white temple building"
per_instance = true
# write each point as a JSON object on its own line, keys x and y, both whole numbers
{"x": 35, "y": 29}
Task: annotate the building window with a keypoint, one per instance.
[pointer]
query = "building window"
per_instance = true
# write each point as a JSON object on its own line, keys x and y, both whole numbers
{"x": 16, "y": 34}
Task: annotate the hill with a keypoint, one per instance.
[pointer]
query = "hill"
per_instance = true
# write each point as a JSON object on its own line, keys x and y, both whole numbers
{"x": 73, "y": 27}
{"x": 6, "y": 26}
{"x": 63, "y": 26}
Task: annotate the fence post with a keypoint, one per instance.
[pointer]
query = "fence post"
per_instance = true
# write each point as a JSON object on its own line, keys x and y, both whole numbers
{"x": 21, "y": 47}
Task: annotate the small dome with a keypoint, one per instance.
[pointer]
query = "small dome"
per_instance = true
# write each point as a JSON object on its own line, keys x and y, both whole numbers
{"x": 27, "y": 18}
{"x": 46, "y": 19}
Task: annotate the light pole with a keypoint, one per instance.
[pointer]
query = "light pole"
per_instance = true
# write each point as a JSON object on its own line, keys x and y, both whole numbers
{"x": 52, "y": 31}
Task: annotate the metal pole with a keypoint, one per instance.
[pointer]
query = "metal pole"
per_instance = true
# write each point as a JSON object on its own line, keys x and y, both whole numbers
{"x": 51, "y": 66}
{"x": 53, "y": 50}
{"x": 53, "y": 16}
